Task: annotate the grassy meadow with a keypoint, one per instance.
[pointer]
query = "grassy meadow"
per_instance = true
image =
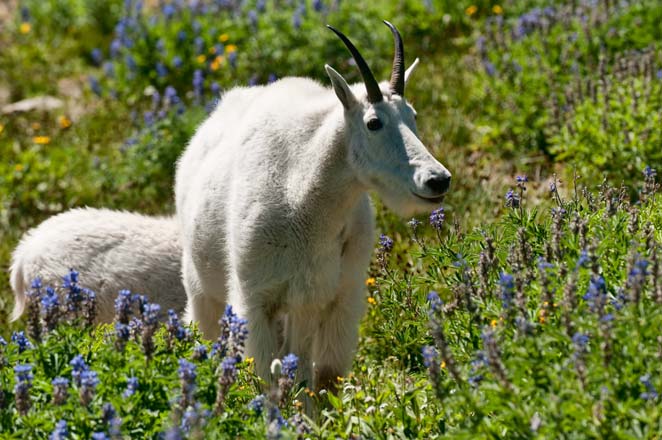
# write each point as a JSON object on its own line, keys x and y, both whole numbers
{"x": 528, "y": 306}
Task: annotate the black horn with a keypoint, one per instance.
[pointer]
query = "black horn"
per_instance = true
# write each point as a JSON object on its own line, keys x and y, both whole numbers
{"x": 398, "y": 73}
{"x": 371, "y": 85}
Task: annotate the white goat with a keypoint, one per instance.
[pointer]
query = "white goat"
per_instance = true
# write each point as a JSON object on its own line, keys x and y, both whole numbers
{"x": 111, "y": 250}
{"x": 271, "y": 195}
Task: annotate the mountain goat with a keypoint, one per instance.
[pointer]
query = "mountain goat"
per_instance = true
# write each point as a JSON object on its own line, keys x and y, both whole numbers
{"x": 111, "y": 250}
{"x": 272, "y": 199}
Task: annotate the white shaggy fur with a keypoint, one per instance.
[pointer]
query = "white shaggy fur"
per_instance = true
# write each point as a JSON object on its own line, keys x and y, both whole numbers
{"x": 272, "y": 198}
{"x": 111, "y": 250}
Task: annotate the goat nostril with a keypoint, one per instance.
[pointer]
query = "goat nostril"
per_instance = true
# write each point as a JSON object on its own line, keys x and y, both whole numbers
{"x": 439, "y": 184}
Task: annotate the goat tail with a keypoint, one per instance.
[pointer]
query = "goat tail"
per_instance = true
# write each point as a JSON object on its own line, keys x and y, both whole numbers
{"x": 18, "y": 285}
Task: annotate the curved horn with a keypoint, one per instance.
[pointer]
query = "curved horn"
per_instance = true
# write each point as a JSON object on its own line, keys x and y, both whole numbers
{"x": 371, "y": 85}
{"x": 398, "y": 73}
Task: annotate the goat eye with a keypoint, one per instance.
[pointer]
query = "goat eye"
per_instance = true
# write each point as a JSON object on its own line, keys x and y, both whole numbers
{"x": 374, "y": 124}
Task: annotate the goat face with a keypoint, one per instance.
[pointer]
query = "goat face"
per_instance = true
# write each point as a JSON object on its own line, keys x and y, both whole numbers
{"x": 384, "y": 148}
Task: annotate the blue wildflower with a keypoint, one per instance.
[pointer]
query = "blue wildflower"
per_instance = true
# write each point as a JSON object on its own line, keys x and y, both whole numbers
{"x": 437, "y": 218}
{"x": 60, "y": 390}
{"x": 187, "y": 377}
{"x": 168, "y": 11}
{"x": 198, "y": 83}
{"x": 275, "y": 422}
{"x": 131, "y": 387}
{"x": 507, "y": 284}
{"x": 60, "y": 432}
{"x": 651, "y": 392}
{"x": 436, "y": 303}
{"x": 94, "y": 85}
{"x": 252, "y": 18}
{"x": 385, "y": 243}
{"x": 257, "y": 404}
{"x": 512, "y": 199}
{"x": 161, "y": 69}
{"x": 289, "y": 365}
{"x": 199, "y": 352}
{"x": 97, "y": 56}
{"x": 24, "y": 376}
{"x": 21, "y": 341}
{"x": 79, "y": 367}
{"x": 429, "y": 356}
{"x": 89, "y": 380}
{"x": 123, "y": 306}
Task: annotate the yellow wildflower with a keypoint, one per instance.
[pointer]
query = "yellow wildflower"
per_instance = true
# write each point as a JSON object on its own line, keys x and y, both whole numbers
{"x": 2, "y": 128}
{"x": 19, "y": 167}
{"x": 497, "y": 9}
{"x": 372, "y": 300}
{"x": 230, "y": 48}
{"x": 298, "y": 404}
{"x": 35, "y": 125}
{"x": 250, "y": 360}
{"x": 494, "y": 323}
{"x": 218, "y": 62}
{"x": 370, "y": 282}
{"x": 443, "y": 364}
{"x": 223, "y": 38}
{"x": 212, "y": 50}
{"x": 25, "y": 27}
{"x": 471, "y": 10}
{"x": 64, "y": 121}
{"x": 41, "y": 140}
{"x": 201, "y": 59}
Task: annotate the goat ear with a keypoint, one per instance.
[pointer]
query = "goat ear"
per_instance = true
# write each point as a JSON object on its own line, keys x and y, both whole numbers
{"x": 411, "y": 69}
{"x": 343, "y": 92}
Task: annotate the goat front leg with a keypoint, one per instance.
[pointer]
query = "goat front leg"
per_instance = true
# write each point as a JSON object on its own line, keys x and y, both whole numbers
{"x": 336, "y": 338}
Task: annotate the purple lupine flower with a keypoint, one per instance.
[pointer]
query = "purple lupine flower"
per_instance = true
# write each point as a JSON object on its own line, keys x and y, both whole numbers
{"x": 94, "y": 85}
{"x": 50, "y": 308}
{"x": 430, "y": 356}
{"x": 122, "y": 335}
{"x": 650, "y": 173}
{"x": 436, "y": 303}
{"x": 161, "y": 69}
{"x": 97, "y": 56}
{"x": 115, "y": 47}
{"x": 74, "y": 294}
{"x": 100, "y": 435}
{"x": 187, "y": 377}
{"x": 177, "y": 62}
{"x": 79, "y": 367}
{"x": 512, "y": 199}
{"x": 232, "y": 59}
{"x": 385, "y": 243}
{"x": 597, "y": 293}
{"x": 437, "y": 218}
{"x": 490, "y": 69}
{"x": 198, "y": 83}
{"x": 60, "y": 432}
{"x": 275, "y": 423}
{"x": 170, "y": 96}
{"x": 111, "y": 419}
{"x": 131, "y": 387}
{"x": 651, "y": 392}
{"x": 21, "y": 341}
{"x": 257, "y": 404}
{"x": 89, "y": 380}
{"x": 299, "y": 425}
{"x": 289, "y": 365}
{"x": 199, "y": 353}
{"x": 24, "y": 376}
{"x": 150, "y": 323}
{"x": 60, "y": 390}
{"x": 89, "y": 306}
{"x": 507, "y": 284}
{"x": 318, "y": 5}
{"x": 168, "y": 11}
{"x": 175, "y": 328}
{"x": 272, "y": 78}
{"x": 123, "y": 306}
{"x": 252, "y": 18}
